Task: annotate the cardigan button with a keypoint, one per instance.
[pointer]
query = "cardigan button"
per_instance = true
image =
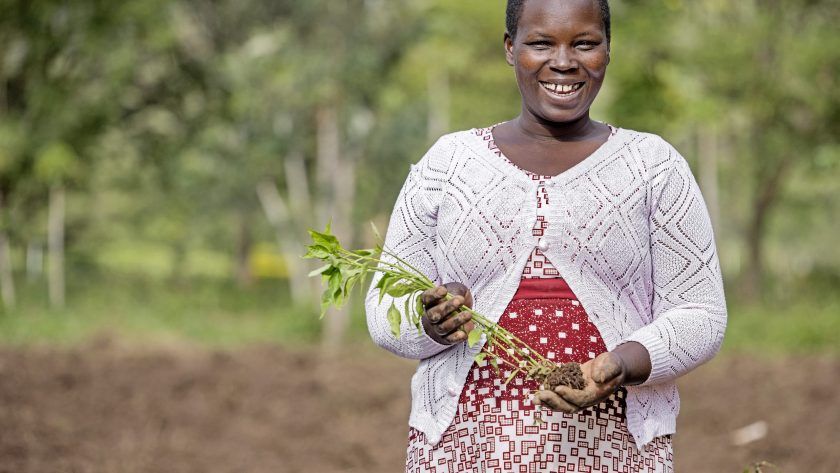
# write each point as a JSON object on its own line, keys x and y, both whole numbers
{"x": 452, "y": 389}
{"x": 542, "y": 244}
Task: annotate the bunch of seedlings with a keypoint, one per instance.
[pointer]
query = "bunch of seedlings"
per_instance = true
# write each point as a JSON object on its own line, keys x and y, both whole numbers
{"x": 344, "y": 269}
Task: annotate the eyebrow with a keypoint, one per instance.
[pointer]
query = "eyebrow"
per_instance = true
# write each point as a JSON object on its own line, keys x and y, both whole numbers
{"x": 541, "y": 35}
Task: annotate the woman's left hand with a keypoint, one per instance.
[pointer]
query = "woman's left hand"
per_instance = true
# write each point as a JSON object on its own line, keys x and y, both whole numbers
{"x": 603, "y": 376}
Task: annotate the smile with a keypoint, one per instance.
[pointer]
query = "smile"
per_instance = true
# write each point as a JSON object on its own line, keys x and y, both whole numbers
{"x": 561, "y": 90}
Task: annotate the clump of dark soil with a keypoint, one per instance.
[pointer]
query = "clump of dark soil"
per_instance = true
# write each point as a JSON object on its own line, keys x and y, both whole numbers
{"x": 566, "y": 374}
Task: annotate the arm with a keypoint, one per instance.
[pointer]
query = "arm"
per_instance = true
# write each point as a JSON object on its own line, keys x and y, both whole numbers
{"x": 688, "y": 316}
{"x": 411, "y": 235}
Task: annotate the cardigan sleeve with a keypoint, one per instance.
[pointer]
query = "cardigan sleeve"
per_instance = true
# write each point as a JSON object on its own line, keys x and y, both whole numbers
{"x": 688, "y": 316}
{"x": 411, "y": 235}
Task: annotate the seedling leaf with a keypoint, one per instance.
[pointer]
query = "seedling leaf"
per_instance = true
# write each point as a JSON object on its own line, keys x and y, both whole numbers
{"x": 474, "y": 337}
{"x": 394, "y": 319}
{"x": 376, "y": 232}
{"x": 320, "y": 270}
{"x": 400, "y": 289}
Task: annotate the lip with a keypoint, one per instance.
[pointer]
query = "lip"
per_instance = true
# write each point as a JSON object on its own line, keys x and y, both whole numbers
{"x": 563, "y": 82}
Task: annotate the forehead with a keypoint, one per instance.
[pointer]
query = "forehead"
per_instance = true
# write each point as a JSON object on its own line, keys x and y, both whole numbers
{"x": 554, "y": 16}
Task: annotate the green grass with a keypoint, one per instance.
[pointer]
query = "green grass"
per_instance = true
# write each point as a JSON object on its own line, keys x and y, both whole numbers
{"x": 809, "y": 326}
{"x": 217, "y": 313}
{"x": 209, "y": 312}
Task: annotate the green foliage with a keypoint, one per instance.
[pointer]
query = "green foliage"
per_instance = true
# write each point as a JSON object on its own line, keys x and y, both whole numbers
{"x": 161, "y": 117}
{"x": 474, "y": 337}
{"x": 344, "y": 270}
{"x": 56, "y": 163}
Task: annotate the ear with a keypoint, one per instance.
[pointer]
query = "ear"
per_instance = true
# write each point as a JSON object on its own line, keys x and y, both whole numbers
{"x": 608, "y": 54}
{"x": 508, "y": 49}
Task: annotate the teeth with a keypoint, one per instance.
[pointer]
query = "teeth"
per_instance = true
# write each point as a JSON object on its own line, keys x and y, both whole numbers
{"x": 561, "y": 89}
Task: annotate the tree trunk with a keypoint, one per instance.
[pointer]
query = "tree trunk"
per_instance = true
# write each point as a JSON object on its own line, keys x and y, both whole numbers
{"x": 7, "y": 281}
{"x": 336, "y": 186}
{"x": 244, "y": 243}
{"x": 55, "y": 236}
{"x": 328, "y": 162}
{"x": 34, "y": 261}
{"x": 439, "y": 102}
{"x": 768, "y": 191}
{"x": 301, "y": 214}
{"x": 277, "y": 212}
{"x": 707, "y": 151}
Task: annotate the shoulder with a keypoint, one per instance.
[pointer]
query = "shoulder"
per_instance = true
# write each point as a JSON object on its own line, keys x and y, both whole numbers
{"x": 651, "y": 146}
{"x": 465, "y": 139}
{"x": 658, "y": 156}
{"x": 454, "y": 147}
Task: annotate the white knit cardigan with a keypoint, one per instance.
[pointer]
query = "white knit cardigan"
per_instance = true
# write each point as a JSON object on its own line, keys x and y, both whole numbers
{"x": 629, "y": 232}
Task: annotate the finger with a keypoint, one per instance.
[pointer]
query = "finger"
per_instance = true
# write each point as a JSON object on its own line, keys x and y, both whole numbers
{"x": 440, "y": 312}
{"x": 458, "y": 289}
{"x": 606, "y": 369}
{"x": 431, "y": 297}
{"x": 461, "y": 334}
{"x": 455, "y": 322}
{"x": 456, "y": 336}
{"x": 574, "y": 396}
{"x": 554, "y": 402}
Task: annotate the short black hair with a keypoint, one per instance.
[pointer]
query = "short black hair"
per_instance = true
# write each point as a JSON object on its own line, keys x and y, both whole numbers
{"x": 514, "y": 11}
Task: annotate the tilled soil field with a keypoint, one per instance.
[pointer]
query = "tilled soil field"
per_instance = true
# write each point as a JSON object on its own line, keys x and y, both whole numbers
{"x": 107, "y": 407}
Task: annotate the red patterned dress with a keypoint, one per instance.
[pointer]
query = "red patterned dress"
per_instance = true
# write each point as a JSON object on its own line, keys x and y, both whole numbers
{"x": 494, "y": 430}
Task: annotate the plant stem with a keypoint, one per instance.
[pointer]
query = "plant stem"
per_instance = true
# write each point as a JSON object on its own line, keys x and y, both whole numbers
{"x": 515, "y": 352}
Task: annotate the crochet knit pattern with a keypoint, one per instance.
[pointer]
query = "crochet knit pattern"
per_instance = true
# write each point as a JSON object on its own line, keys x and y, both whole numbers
{"x": 630, "y": 234}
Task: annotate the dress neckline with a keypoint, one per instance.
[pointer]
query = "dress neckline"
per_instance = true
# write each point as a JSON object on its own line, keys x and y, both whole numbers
{"x": 606, "y": 148}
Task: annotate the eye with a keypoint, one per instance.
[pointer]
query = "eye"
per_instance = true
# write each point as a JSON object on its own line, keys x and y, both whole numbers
{"x": 539, "y": 45}
{"x": 586, "y": 45}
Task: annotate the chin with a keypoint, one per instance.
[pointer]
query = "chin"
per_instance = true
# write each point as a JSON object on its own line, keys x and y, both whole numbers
{"x": 553, "y": 115}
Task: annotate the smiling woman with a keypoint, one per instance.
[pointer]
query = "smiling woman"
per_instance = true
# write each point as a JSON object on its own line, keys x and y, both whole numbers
{"x": 588, "y": 242}
{"x": 560, "y": 52}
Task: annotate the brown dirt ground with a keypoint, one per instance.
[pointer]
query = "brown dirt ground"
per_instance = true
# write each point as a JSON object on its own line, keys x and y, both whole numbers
{"x": 108, "y": 407}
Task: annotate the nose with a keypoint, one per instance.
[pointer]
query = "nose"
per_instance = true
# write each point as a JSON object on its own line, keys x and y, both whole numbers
{"x": 564, "y": 59}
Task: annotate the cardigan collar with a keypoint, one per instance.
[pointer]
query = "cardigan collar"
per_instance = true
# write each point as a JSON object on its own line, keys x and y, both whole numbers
{"x": 477, "y": 142}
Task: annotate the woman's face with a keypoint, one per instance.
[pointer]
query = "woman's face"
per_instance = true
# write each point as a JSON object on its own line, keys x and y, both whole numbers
{"x": 560, "y": 56}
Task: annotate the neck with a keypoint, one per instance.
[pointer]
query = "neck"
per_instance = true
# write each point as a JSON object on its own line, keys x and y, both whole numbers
{"x": 541, "y": 129}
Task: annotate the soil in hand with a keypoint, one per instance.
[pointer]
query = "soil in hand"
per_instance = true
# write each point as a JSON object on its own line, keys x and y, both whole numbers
{"x": 566, "y": 374}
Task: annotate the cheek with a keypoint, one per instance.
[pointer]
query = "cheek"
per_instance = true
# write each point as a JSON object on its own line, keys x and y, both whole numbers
{"x": 597, "y": 66}
{"x": 527, "y": 65}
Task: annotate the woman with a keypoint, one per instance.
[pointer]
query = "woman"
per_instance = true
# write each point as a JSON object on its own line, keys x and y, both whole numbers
{"x": 589, "y": 242}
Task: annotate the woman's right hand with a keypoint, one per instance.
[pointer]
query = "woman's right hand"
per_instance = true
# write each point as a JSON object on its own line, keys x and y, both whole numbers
{"x": 441, "y": 319}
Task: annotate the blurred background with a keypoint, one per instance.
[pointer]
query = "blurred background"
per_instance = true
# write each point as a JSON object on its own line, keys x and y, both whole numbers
{"x": 161, "y": 161}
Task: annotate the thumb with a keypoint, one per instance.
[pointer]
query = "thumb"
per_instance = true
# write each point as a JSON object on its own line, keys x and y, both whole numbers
{"x": 606, "y": 368}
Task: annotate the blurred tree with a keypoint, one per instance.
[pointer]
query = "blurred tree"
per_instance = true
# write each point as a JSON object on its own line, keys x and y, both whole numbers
{"x": 183, "y": 124}
{"x": 55, "y": 100}
{"x": 55, "y": 164}
{"x": 747, "y": 83}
